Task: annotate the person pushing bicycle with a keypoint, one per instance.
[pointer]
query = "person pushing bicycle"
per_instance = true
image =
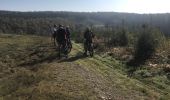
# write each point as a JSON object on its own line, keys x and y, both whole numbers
{"x": 88, "y": 43}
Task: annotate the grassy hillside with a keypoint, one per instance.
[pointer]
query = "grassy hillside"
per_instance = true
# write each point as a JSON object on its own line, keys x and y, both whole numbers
{"x": 30, "y": 70}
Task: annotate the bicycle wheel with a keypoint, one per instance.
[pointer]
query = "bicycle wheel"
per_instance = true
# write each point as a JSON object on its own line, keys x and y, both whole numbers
{"x": 69, "y": 47}
{"x": 90, "y": 49}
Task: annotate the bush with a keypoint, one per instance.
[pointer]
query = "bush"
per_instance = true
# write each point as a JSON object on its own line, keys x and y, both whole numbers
{"x": 146, "y": 45}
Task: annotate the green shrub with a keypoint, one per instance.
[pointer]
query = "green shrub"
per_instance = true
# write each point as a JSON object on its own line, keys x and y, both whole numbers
{"x": 146, "y": 45}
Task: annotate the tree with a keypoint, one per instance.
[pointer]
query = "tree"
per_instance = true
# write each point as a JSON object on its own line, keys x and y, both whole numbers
{"x": 146, "y": 45}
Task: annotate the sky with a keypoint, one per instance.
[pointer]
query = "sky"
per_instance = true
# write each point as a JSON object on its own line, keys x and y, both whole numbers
{"x": 131, "y": 6}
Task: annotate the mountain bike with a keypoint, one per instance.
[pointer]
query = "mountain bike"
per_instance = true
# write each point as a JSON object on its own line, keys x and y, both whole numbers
{"x": 65, "y": 48}
{"x": 90, "y": 49}
{"x": 62, "y": 49}
{"x": 68, "y": 45}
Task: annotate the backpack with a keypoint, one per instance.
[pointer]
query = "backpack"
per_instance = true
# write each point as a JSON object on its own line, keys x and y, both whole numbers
{"x": 89, "y": 35}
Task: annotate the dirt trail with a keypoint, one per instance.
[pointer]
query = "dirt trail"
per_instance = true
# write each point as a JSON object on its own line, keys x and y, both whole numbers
{"x": 79, "y": 77}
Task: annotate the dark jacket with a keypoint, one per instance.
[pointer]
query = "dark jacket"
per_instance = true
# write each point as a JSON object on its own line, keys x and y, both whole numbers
{"x": 61, "y": 34}
{"x": 88, "y": 35}
{"x": 68, "y": 33}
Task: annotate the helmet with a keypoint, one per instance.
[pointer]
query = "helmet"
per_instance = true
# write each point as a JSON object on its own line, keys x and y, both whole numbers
{"x": 67, "y": 27}
{"x": 55, "y": 25}
{"x": 87, "y": 29}
{"x": 59, "y": 25}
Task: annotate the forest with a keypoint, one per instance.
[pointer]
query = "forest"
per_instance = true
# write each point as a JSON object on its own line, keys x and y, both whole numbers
{"x": 40, "y": 22}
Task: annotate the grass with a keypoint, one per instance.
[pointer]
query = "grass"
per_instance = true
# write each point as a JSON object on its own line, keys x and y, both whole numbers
{"x": 30, "y": 69}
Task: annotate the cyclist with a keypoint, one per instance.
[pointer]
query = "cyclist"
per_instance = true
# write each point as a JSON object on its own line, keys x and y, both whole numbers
{"x": 88, "y": 36}
{"x": 54, "y": 33}
{"x": 68, "y": 33}
{"x": 61, "y": 39}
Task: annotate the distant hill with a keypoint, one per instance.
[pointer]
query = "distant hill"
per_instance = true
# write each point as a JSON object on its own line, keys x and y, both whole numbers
{"x": 38, "y": 22}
